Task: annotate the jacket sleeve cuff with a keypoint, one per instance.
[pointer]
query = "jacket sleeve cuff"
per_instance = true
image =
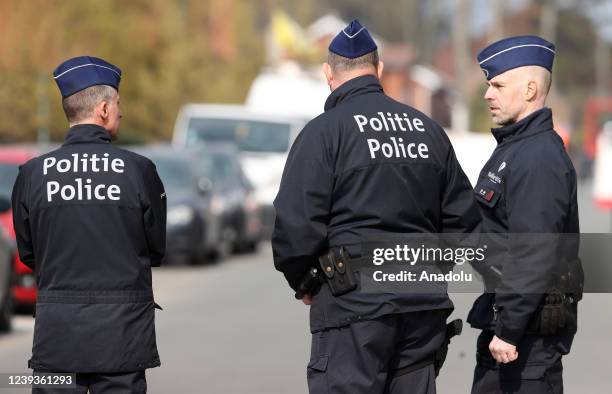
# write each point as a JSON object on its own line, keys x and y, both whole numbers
{"x": 294, "y": 269}
{"x": 293, "y": 279}
{"x": 510, "y": 335}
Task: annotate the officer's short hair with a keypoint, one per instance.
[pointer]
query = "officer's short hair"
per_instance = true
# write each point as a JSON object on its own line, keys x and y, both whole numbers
{"x": 340, "y": 63}
{"x": 80, "y": 105}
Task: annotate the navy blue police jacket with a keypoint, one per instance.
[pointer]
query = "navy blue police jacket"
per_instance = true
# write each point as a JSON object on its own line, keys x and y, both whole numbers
{"x": 368, "y": 166}
{"x": 90, "y": 220}
{"x": 527, "y": 191}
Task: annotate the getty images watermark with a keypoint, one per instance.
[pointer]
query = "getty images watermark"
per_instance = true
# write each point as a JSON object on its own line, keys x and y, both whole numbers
{"x": 471, "y": 263}
{"x": 411, "y": 256}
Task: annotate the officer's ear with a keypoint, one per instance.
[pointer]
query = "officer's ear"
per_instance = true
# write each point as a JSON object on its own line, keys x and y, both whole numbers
{"x": 101, "y": 110}
{"x": 379, "y": 69}
{"x": 531, "y": 90}
{"x": 329, "y": 75}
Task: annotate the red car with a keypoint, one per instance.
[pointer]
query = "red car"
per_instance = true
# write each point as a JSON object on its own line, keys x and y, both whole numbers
{"x": 11, "y": 157}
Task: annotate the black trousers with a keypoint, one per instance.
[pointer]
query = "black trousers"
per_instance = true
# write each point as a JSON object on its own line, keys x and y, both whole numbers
{"x": 107, "y": 383}
{"x": 364, "y": 357}
{"x": 538, "y": 369}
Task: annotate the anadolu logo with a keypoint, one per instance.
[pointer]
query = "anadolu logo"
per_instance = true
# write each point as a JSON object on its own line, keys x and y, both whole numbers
{"x": 501, "y": 167}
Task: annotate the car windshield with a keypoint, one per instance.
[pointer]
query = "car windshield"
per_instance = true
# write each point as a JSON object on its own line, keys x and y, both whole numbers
{"x": 8, "y": 174}
{"x": 217, "y": 167}
{"x": 174, "y": 173}
{"x": 248, "y": 135}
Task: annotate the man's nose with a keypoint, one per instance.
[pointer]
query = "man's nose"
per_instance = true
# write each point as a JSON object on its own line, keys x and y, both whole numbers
{"x": 488, "y": 94}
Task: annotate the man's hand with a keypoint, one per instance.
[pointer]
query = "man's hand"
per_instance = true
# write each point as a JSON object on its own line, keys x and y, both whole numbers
{"x": 502, "y": 352}
{"x": 307, "y": 299}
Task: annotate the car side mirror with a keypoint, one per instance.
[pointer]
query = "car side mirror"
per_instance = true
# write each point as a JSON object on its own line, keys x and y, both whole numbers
{"x": 205, "y": 185}
{"x": 5, "y": 204}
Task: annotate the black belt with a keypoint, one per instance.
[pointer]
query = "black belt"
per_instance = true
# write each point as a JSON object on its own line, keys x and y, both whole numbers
{"x": 94, "y": 297}
{"x": 360, "y": 262}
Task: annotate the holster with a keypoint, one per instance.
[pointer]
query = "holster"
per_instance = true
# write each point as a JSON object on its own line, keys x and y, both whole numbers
{"x": 337, "y": 272}
{"x": 309, "y": 284}
{"x": 453, "y": 328}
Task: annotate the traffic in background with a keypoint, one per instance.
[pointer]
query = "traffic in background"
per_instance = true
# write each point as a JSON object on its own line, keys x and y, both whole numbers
{"x": 221, "y": 165}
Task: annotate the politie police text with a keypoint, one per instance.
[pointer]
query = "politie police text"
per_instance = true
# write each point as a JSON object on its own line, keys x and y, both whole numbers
{"x": 396, "y": 147}
{"x": 83, "y": 189}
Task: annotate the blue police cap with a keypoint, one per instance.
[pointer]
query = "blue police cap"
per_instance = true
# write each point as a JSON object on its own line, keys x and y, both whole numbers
{"x": 81, "y": 72}
{"x": 514, "y": 52}
{"x": 353, "y": 41}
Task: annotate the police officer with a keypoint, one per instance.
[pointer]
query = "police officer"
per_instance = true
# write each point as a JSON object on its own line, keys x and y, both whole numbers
{"x": 90, "y": 220}
{"x": 526, "y": 190}
{"x": 368, "y": 166}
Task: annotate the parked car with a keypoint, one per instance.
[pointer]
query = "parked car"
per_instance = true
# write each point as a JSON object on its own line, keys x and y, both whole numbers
{"x": 194, "y": 224}
{"x": 23, "y": 289}
{"x": 263, "y": 140}
{"x": 232, "y": 195}
{"x": 6, "y": 271}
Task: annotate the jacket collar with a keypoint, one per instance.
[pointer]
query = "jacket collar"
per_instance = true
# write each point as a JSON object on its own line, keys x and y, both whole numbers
{"x": 87, "y": 133}
{"x": 537, "y": 122}
{"x": 351, "y": 88}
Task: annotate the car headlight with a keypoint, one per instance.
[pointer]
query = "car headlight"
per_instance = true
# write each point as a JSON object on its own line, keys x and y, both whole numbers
{"x": 179, "y": 215}
{"x": 217, "y": 205}
{"x": 250, "y": 203}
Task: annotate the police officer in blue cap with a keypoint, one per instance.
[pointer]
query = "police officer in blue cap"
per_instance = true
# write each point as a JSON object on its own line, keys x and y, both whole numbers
{"x": 527, "y": 192}
{"x": 369, "y": 166}
{"x": 90, "y": 220}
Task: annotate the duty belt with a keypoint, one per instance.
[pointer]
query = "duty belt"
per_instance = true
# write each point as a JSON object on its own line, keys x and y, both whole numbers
{"x": 94, "y": 297}
{"x": 336, "y": 268}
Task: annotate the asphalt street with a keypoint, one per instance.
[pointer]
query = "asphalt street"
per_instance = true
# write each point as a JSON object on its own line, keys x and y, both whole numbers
{"x": 235, "y": 328}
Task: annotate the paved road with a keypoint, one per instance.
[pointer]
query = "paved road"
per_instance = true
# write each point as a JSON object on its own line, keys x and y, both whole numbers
{"x": 234, "y": 328}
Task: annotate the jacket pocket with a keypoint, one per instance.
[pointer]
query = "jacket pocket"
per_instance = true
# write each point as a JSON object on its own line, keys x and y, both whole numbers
{"x": 319, "y": 364}
{"x": 317, "y": 375}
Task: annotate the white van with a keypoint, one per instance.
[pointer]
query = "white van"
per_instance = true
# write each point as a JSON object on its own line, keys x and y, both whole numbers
{"x": 294, "y": 93}
{"x": 263, "y": 140}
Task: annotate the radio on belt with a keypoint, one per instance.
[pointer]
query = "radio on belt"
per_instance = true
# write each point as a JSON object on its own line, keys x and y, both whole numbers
{"x": 83, "y": 189}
